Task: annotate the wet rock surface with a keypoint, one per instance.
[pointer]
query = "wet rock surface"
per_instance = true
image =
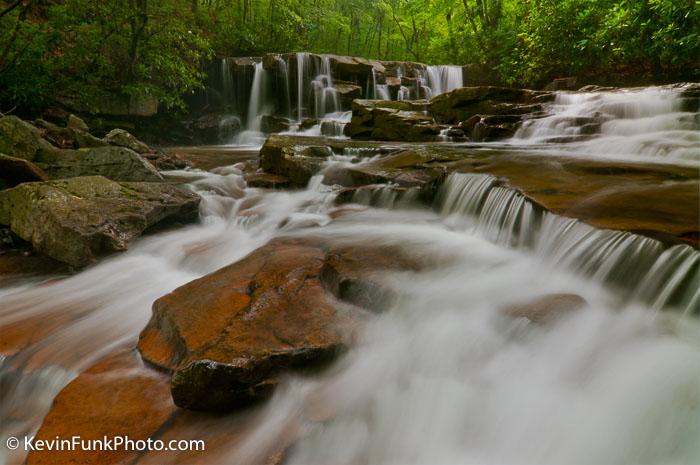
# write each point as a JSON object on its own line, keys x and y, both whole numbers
{"x": 76, "y": 220}
{"x": 120, "y": 396}
{"x": 392, "y": 120}
{"x": 647, "y": 198}
{"x": 288, "y": 306}
{"x": 547, "y": 308}
{"x": 461, "y": 104}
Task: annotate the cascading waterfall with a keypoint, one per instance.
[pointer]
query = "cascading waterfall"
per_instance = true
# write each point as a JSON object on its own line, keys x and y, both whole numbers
{"x": 442, "y": 355}
{"x": 443, "y": 78}
{"x": 325, "y": 95}
{"x": 284, "y": 70}
{"x": 380, "y": 91}
{"x": 303, "y": 60}
{"x": 637, "y": 124}
{"x": 257, "y": 108}
{"x": 227, "y": 87}
{"x": 621, "y": 259}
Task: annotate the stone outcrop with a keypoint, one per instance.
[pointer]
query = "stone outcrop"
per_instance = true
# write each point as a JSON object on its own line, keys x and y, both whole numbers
{"x": 392, "y": 120}
{"x": 93, "y": 157}
{"x": 462, "y": 104}
{"x": 122, "y": 138}
{"x": 15, "y": 171}
{"x": 20, "y": 139}
{"x": 229, "y": 336}
{"x": 116, "y": 163}
{"x": 79, "y": 219}
{"x": 298, "y": 158}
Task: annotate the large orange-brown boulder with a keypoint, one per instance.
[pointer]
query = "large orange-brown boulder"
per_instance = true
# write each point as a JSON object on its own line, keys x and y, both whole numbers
{"x": 120, "y": 396}
{"x": 227, "y": 337}
{"x": 116, "y": 397}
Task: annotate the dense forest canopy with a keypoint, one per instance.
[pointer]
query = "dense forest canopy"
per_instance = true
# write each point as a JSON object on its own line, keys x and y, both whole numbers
{"x": 80, "y": 49}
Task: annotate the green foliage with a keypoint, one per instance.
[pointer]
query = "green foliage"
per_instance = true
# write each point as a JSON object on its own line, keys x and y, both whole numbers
{"x": 80, "y": 50}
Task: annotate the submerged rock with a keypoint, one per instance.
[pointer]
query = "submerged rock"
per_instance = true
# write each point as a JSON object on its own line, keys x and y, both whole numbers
{"x": 547, "y": 308}
{"x": 229, "y": 336}
{"x": 79, "y": 219}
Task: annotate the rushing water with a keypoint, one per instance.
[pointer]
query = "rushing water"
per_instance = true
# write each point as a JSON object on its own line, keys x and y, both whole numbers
{"x": 315, "y": 95}
{"x": 635, "y": 124}
{"x": 443, "y": 376}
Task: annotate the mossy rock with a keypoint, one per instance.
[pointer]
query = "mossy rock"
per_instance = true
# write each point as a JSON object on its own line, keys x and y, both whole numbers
{"x": 78, "y": 219}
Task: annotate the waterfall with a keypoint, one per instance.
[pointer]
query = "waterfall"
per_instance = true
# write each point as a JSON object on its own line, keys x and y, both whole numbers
{"x": 325, "y": 95}
{"x": 635, "y": 124}
{"x": 257, "y": 108}
{"x": 227, "y": 87}
{"x": 380, "y": 91}
{"x": 444, "y": 78}
{"x": 302, "y": 64}
{"x": 284, "y": 70}
{"x": 637, "y": 266}
{"x": 257, "y": 98}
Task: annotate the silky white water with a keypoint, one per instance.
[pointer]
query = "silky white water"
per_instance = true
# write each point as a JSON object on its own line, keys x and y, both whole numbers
{"x": 441, "y": 377}
{"x": 645, "y": 124}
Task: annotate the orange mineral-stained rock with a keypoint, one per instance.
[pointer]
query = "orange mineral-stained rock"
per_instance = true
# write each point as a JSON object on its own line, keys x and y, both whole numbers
{"x": 292, "y": 304}
{"x": 116, "y": 397}
{"x": 121, "y": 396}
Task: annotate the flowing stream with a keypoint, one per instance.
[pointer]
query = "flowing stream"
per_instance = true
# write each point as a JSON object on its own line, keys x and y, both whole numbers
{"x": 443, "y": 375}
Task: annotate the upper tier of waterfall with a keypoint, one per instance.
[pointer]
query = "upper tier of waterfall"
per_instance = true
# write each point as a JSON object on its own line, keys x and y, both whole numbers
{"x": 301, "y": 88}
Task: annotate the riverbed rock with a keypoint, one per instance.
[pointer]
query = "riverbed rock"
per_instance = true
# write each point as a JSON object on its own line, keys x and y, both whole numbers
{"x": 122, "y": 396}
{"x": 273, "y": 124}
{"x": 66, "y": 137}
{"x": 215, "y": 128}
{"x": 78, "y": 219}
{"x": 74, "y": 122}
{"x": 354, "y": 68}
{"x": 228, "y": 337}
{"x": 298, "y": 158}
{"x": 392, "y": 120}
{"x": 20, "y": 139}
{"x": 123, "y": 138}
{"x": 461, "y": 104}
{"x": 347, "y": 92}
{"x": 113, "y": 162}
{"x": 15, "y": 171}
{"x": 266, "y": 180}
{"x": 495, "y": 127}
{"x": 547, "y": 308}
